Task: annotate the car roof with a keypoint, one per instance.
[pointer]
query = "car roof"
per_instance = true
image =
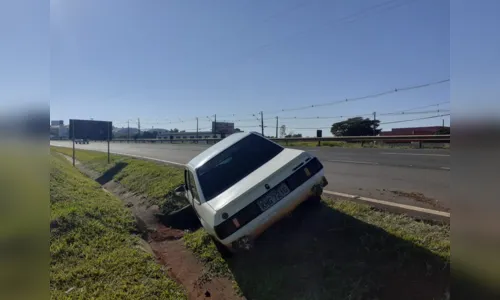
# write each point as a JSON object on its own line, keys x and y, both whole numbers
{"x": 211, "y": 152}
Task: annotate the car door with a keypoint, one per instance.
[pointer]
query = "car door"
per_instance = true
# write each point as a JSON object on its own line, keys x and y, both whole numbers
{"x": 192, "y": 192}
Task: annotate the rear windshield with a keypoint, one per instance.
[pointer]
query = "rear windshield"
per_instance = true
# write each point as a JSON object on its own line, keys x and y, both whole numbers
{"x": 234, "y": 164}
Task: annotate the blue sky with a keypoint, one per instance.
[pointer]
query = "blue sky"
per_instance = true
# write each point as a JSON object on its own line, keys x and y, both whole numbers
{"x": 166, "y": 61}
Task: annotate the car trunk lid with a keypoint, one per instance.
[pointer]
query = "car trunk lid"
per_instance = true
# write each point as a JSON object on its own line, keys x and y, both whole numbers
{"x": 259, "y": 182}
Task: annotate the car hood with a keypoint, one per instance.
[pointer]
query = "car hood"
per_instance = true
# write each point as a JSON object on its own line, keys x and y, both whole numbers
{"x": 252, "y": 186}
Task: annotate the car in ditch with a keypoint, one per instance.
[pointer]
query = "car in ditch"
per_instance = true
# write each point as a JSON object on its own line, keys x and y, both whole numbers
{"x": 243, "y": 184}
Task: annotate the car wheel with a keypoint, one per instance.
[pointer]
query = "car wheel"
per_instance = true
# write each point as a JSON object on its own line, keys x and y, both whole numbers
{"x": 223, "y": 250}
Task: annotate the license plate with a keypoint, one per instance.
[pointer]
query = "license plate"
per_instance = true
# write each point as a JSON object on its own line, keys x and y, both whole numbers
{"x": 273, "y": 196}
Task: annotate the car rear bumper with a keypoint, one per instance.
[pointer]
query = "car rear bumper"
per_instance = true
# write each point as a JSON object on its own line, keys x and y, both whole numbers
{"x": 312, "y": 187}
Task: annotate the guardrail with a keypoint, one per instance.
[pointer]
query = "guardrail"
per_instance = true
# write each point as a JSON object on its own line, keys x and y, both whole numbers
{"x": 394, "y": 139}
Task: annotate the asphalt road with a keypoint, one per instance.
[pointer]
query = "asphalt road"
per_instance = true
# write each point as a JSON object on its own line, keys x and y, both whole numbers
{"x": 419, "y": 177}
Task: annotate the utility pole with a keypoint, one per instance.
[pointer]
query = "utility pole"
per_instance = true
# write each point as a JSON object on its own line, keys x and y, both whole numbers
{"x": 139, "y": 126}
{"x": 128, "y": 130}
{"x": 196, "y": 129}
{"x": 109, "y": 133}
{"x": 262, "y": 122}
{"x": 443, "y": 123}
{"x": 73, "y": 134}
{"x": 215, "y": 124}
{"x": 374, "y": 118}
{"x": 276, "y": 126}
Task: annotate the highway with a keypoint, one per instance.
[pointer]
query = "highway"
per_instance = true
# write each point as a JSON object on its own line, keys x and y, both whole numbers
{"x": 419, "y": 177}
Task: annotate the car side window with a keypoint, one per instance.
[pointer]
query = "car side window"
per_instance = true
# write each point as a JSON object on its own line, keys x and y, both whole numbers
{"x": 192, "y": 186}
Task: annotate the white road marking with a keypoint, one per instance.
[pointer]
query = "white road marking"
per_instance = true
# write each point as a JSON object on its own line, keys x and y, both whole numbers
{"x": 417, "y": 154}
{"x": 370, "y": 200}
{"x": 445, "y": 168}
{"x": 353, "y": 162}
{"x": 392, "y": 204}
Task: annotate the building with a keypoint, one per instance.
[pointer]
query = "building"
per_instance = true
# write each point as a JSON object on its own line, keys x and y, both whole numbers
{"x": 57, "y": 123}
{"x": 59, "y": 132}
{"x": 429, "y": 130}
{"x": 226, "y": 128}
{"x": 187, "y": 135}
{"x": 54, "y": 132}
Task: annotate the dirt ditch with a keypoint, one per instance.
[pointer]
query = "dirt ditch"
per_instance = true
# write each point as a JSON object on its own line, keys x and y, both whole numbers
{"x": 166, "y": 245}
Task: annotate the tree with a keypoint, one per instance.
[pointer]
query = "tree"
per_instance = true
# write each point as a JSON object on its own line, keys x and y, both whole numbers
{"x": 237, "y": 130}
{"x": 291, "y": 134}
{"x": 356, "y": 127}
{"x": 282, "y": 131}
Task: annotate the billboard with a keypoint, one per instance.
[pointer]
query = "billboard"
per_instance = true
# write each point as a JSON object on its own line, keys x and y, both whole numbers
{"x": 90, "y": 129}
{"x": 223, "y": 127}
{"x": 56, "y": 123}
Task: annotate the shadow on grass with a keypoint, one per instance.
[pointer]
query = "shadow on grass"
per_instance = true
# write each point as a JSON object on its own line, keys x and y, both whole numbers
{"x": 110, "y": 173}
{"x": 184, "y": 219}
{"x": 321, "y": 253}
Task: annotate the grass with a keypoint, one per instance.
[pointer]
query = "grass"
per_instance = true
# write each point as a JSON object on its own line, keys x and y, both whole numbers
{"x": 93, "y": 254}
{"x": 432, "y": 237}
{"x": 343, "y": 250}
{"x": 94, "y": 160}
{"x": 156, "y": 181}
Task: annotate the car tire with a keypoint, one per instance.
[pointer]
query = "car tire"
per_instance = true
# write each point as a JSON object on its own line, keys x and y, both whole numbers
{"x": 223, "y": 250}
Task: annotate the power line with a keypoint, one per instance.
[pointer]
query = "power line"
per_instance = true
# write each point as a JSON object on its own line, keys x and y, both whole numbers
{"x": 367, "y": 114}
{"x": 357, "y": 115}
{"x": 417, "y": 119}
{"x": 370, "y": 96}
{"x": 308, "y": 118}
{"x": 414, "y": 112}
{"x": 426, "y": 106}
{"x": 404, "y": 112}
{"x": 392, "y": 122}
{"x": 355, "y": 99}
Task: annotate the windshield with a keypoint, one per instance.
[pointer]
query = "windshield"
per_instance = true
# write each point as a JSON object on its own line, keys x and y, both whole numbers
{"x": 234, "y": 164}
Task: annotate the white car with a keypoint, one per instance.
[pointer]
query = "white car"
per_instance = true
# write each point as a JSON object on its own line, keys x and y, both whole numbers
{"x": 245, "y": 183}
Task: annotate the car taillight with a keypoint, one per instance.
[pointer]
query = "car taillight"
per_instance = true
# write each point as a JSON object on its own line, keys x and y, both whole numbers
{"x": 304, "y": 173}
